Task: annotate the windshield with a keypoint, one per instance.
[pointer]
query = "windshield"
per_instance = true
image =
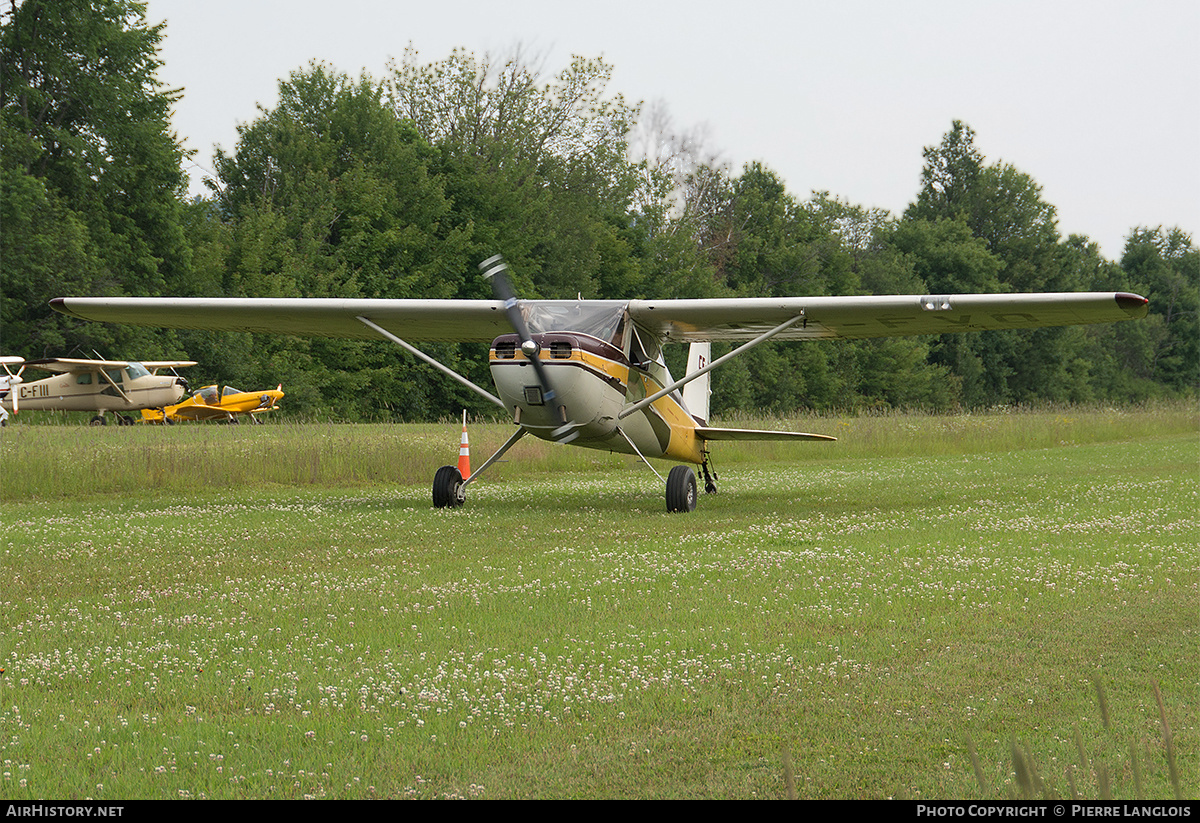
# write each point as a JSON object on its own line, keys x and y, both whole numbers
{"x": 135, "y": 370}
{"x": 598, "y": 318}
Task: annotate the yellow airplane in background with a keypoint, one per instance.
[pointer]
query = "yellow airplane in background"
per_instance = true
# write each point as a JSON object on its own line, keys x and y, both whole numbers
{"x": 224, "y": 403}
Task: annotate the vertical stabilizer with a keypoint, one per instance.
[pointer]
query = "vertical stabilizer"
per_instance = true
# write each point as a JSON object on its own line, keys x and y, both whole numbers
{"x": 695, "y": 393}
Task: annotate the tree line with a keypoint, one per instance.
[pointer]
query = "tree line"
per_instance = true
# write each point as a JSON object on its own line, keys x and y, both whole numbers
{"x": 396, "y": 187}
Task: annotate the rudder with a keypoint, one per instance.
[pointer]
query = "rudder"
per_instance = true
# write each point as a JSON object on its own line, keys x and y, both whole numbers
{"x": 696, "y": 393}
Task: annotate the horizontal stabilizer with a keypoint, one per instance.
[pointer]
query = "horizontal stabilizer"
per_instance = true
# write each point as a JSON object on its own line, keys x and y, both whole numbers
{"x": 709, "y": 433}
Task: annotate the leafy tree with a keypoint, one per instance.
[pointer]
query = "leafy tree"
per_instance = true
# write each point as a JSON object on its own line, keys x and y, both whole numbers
{"x": 986, "y": 228}
{"x": 535, "y": 170}
{"x": 90, "y": 165}
{"x": 1164, "y": 265}
{"x": 332, "y": 189}
{"x": 330, "y": 195}
{"x": 46, "y": 251}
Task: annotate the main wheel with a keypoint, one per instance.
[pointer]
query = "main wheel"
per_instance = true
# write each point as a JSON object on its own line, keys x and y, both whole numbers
{"x": 681, "y": 489}
{"x": 446, "y": 484}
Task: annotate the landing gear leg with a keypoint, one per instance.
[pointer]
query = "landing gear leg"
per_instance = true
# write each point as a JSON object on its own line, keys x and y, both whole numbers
{"x": 710, "y": 477}
{"x": 449, "y": 487}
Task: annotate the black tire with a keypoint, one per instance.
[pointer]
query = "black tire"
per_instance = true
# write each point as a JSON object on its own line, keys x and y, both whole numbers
{"x": 681, "y": 490}
{"x": 446, "y": 484}
{"x": 98, "y": 421}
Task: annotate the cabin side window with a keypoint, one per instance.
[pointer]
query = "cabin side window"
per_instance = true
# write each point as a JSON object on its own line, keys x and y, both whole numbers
{"x": 643, "y": 349}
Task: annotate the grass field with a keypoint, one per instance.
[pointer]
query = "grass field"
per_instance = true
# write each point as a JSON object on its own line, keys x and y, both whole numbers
{"x": 983, "y": 606}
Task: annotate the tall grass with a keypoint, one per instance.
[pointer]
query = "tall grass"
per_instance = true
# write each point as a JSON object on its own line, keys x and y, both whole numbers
{"x": 51, "y": 462}
{"x": 1014, "y": 616}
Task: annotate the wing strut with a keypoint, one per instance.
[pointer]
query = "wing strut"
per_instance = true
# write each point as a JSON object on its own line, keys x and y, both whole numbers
{"x": 112, "y": 383}
{"x": 521, "y": 432}
{"x": 633, "y": 446}
{"x": 423, "y": 356}
{"x": 745, "y": 347}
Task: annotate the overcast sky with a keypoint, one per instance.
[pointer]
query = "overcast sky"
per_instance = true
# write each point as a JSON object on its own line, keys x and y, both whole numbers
{"x": 1097, "y": 100}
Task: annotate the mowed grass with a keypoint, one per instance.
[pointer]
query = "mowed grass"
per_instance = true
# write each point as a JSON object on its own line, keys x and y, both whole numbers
{"x": 277, "y": 611}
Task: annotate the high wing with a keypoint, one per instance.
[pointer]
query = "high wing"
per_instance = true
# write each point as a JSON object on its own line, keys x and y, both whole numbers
{"x": 729, "y": 319}
{"x": 71, "y": 365}
{"x": 425, "y": 320}
{"x": 154, "y": 365}
{"x": 857, "y": 317}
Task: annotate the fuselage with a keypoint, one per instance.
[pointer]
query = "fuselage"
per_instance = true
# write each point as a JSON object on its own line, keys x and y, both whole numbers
{"x": 593, "y": 380}
{"x": 131, "y": 388}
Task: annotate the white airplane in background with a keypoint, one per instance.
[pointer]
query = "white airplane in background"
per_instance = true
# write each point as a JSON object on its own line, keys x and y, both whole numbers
{"x": 80, "y": 384}
{"x": 591, "y": 372}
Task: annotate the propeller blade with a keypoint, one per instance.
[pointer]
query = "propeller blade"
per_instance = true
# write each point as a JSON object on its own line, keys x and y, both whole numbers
{"x": 494, "y": 269}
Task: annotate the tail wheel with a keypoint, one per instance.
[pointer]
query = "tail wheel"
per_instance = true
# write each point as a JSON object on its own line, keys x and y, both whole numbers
{"x": 681, "y": 490}
{"x": 446, "y": 488}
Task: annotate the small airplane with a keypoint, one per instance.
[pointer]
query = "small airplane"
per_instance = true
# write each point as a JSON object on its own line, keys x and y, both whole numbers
{"x": 7, "y": 381}
{"x": 224, "y": 403}
{"x": 80, "y": 384}
{"x": 591, "y": 372}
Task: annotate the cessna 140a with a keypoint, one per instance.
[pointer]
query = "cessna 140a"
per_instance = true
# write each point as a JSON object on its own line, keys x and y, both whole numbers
{"x": 97, "y": 385}
{"x": 591, "y": 372}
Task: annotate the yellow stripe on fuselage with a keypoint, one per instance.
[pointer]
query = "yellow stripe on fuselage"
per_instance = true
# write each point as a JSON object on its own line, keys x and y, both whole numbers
{"x": 683, "y": 445}
{"x": 607, "y": 368}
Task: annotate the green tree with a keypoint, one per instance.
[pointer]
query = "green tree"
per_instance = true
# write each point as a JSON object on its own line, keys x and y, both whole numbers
{"x": 535, "y": 170}
{"x": 986, "y": 228}
{"x": 328, "y": 194}
{"x": 1164, "y": 265}
{"x": 91, "y": 167}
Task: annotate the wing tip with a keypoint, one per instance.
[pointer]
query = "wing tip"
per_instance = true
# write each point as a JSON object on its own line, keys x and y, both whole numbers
{"x": 59, "y": 304}
{"x": 1135, "y": 304}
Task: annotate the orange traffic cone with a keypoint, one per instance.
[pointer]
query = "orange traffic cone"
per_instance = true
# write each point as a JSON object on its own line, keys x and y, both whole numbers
{"x": 464, "y": 452}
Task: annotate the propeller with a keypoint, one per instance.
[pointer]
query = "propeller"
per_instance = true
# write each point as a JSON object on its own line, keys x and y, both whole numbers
{"x": 494, "y": 269}
{"x": 13, "y": 380}
{"x": 181, "y": 381}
